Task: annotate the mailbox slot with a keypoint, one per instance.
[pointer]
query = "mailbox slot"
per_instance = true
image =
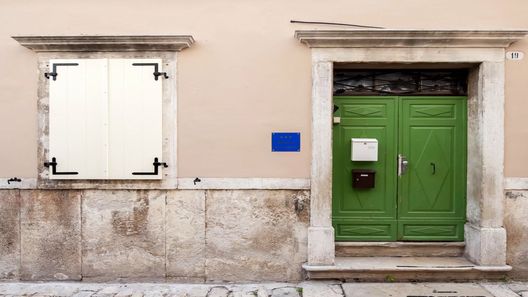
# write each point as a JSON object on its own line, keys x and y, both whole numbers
{"x": 363, "y": 178}
{"x": 364, "y": 149}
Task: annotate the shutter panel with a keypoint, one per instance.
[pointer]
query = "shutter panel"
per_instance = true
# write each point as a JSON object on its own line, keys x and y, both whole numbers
{"x": 78, "y": 118}
{"x": 135, "y": 123}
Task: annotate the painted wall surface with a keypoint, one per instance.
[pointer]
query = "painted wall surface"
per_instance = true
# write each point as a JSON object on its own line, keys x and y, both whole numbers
{"x": 516, "y": 112}
{"x": 245, "y": 77}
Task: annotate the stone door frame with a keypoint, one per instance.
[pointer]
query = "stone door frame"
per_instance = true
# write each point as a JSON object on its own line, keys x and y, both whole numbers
{"x": 484, "y": 53}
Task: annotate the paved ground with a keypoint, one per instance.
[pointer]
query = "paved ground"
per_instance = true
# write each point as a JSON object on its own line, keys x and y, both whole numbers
{"x": 304, "y": 289}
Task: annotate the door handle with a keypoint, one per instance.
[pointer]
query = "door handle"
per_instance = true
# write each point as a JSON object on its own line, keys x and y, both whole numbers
{"x": 403, "y": 164}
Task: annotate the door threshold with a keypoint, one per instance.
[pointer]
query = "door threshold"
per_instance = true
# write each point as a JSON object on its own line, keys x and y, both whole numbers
{"x": 404, "y": 268}
{"x": 399, "y": 249}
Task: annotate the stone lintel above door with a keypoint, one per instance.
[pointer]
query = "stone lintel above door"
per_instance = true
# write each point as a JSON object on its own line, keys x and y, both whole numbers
{"x": 409, "y": 38}
{"x": 483, "y": 52}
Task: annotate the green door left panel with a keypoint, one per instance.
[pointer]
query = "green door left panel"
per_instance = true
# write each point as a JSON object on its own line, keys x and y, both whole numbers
{"x": 368, "y": 214}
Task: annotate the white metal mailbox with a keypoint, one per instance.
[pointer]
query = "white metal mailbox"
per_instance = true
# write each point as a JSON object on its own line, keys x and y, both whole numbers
{"x": 364, "y": 149}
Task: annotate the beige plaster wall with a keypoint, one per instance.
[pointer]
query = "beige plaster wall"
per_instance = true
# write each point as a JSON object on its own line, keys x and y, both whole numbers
{"x": 516, "y": 114}
{"x": 245, "y": 77}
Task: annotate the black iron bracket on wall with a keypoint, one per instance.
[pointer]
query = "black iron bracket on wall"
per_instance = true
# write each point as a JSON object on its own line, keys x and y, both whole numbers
{"x": 54, "y": 73}
{"x": 13, "y": 179}
{"x": 156, "y": 164}
{"x": 53, "y": 165}
{"x": 156, "y": 72}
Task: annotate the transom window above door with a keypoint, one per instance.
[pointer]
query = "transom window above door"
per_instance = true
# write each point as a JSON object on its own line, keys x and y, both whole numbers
{"x": 354, "y": 82}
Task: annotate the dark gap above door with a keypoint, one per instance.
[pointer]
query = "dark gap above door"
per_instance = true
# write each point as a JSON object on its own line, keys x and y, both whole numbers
{"x": 418, "y": 82}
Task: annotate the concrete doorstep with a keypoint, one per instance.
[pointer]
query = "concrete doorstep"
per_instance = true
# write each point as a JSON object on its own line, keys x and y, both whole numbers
{"x": 304, "y": 289}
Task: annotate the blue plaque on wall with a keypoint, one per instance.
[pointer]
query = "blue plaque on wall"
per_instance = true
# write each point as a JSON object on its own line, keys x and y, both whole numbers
{"x": 285, "y": 142}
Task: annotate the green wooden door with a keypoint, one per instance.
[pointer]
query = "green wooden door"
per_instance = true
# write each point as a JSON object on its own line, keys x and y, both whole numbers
{"x": 431, "y": 194}
{"x": 424, "y": 203}
{"x": 365, "y": 214}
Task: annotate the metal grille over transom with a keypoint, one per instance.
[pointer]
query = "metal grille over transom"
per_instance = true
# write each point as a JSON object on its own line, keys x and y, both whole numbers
{"x": 348, "y": 82}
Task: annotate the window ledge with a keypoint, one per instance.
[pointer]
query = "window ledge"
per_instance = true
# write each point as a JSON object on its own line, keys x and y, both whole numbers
{"x": 409, "y": 38}
{"x": 100, "y": 43}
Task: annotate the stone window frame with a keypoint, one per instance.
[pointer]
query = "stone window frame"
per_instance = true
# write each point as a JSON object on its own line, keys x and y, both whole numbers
{"x": 164, "y": 47}
{"x": 485, "y": 235}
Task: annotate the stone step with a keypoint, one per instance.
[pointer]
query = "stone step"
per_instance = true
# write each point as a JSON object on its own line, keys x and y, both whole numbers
{"x": 415, "y": 289}
{"x": 404, "y": 269}
{"x": 399, "y": 249}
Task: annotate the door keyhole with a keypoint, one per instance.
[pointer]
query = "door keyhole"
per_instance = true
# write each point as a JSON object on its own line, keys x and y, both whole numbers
{"x": 433, "y": 167}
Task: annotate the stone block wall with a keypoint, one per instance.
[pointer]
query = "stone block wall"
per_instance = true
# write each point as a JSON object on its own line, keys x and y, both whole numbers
{"x": 10, "y": 234}
{"x": 516, "y": 224}
{"x": 179, "y": 235}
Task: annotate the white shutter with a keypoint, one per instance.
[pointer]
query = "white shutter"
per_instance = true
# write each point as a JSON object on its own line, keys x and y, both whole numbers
{"x": 78, "y": 118}
{"x": 135, "y": 123}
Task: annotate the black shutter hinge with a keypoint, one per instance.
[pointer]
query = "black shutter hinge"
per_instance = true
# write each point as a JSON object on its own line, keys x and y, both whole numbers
{"x": 53, "y": 165}
{"x": 156, "y": 164}
{"x": 54, "y": 73}
{"x": 156, "y": 72}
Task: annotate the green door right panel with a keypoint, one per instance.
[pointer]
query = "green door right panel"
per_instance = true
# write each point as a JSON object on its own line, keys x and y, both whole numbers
{"x": 427, "y": 202}
{"x": 432, "y": 193}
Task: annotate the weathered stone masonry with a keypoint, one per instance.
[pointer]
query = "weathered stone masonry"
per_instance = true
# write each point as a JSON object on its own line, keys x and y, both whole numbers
{"x": 180, "y": 235}
{"x": 516, "y": 224}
